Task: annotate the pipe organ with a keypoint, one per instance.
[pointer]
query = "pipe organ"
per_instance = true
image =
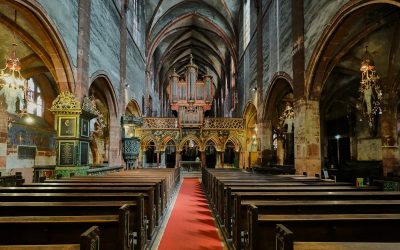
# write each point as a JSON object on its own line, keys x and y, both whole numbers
{"x": 190, "y": 97}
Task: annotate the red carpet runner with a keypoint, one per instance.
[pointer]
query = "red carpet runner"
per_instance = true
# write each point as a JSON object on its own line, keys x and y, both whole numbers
{"x": 191, "y": 225}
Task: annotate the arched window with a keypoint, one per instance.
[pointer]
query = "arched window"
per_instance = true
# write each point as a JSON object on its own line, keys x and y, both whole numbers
{"x": 34, "y": 101}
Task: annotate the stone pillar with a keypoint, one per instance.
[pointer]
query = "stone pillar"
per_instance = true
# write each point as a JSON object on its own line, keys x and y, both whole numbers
{"x": 147, "y": 98}
{"x": 3, "y": 137}
{"x": 158, "y": 158}
{"x": 390, "y": 152}
{"x": 140, "y": 158}
{"x": 265, "y": 133}
{"x": 162, "y": 159}
{"x": 307, "y": 137}
{"x": 280, "y": 152}
{"x": 115, "y": 144}
{"x": 242, "y": 159}
{"x": 222, "y": 158}
{"x": 246, "y": 159}
{"x": 289, "y": 150}
{"x": 82, "y": 73}
{"x": 177, "y": 158}
{"x": 203, "y": 159}
{"x": 122, "y": 52}
{"x": 218, "y": 163}
{"x": 144, "y": 159}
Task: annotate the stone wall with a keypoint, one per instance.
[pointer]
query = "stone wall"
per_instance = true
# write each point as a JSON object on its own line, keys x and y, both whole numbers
{"x": 104, "y": 41}
{"x": 317, "y": 15}
{"x": 135, "y": 69}
{"x": 104, "y": 56}
{"x": 64, "y": 15}
{"x": 276, "y": 49}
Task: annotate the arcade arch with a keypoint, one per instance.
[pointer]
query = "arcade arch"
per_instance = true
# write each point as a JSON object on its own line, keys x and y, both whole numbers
{"x": 106, "y": 135}
{"x": 46, "y": 65}
{"x": 333, "y": 79}
{"x": 252, "y": 141}
{"x": 278, "y": 112}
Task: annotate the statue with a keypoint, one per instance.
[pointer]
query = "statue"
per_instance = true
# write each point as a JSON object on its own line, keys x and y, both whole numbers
{"x": 11, "y": 93}
{"x": 287, "y": 117}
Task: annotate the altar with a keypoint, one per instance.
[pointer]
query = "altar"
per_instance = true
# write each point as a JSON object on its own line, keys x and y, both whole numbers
{"x": 190, "y": 165}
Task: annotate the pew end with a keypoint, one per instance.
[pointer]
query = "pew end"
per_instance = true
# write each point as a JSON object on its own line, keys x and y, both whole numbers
{"x": 90, "y": 239}
{"x": 284, "y": 238}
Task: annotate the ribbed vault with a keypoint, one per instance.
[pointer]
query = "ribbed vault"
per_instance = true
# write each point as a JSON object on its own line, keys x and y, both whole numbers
{"x": 204, "y": 28}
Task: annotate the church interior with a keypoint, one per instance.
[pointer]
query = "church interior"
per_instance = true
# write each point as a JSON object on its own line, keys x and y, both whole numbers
{"x": 199, "y": 124}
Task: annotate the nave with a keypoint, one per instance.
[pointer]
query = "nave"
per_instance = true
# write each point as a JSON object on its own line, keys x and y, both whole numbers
{"x": 191, "y": 224}
{"x": 222, "y": 209}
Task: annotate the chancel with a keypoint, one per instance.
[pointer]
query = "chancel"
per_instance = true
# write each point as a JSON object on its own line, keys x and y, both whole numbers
{"x": 188, "y": 124}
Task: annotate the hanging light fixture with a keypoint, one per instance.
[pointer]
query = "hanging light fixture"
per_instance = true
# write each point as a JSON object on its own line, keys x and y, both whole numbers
{"x": 12, "y": 84}
{"x": 370, "y": 89}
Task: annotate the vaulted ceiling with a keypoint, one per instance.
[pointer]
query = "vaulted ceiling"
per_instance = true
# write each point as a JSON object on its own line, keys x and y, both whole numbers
{"x": 177, "y": 28}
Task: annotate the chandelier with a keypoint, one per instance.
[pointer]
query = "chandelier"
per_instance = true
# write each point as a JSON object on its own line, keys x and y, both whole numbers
{"x": 13, "y": 85}
{"x": 370, "y": 89}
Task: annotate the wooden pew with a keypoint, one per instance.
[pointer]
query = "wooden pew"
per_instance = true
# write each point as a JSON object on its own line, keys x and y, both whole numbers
{"x": 136, "y": 228}
{"x": 290, "y": 192}
{"x": 240, "y": 223}
{"x": 148, "y": 193}
{"x": 88, "y": 240}
{"x": 235, "y": 208}
{"x": 285, "y": 241}
{"x": 160, "y": 186}
{"x": 225, "y": 198}
{"x": 318, "y": 227}
{"x": 40, "y": 230}
{"x": 112, "y": 186}
{"x": 82, "y": 197}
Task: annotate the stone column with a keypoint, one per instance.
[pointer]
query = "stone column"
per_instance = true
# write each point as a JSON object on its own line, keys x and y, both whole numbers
{"x": 158, "y": 158}
{"x": 140, "y": 157}
{"x": 222, "y": 158}
{"x": 246, "y": 161}
{"x": 177, "y": 158}
{"x": 162, "y": 159}
{"x": 82, "y": 73}
{"x": 147, "y": 98}
{"x": 203, "y": 159}
{"x": 122, "y": 52}
{"x": 289, "y": 154}
{"x": 144, "y": 159}
{"x": 218, "y": 163}
{"x": 265, "y": 133}
{"x": 242, "y": 159}
{"x": 280, "y": 152}
{"x": 390, "y": 152}
{"x": 307, "y": 137}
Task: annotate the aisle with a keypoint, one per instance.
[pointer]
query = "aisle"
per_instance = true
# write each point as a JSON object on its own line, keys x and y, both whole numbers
{"x": 191, "y": 225}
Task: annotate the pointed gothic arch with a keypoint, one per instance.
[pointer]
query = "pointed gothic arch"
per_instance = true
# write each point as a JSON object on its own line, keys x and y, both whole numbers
{"x": 133, "y": 108}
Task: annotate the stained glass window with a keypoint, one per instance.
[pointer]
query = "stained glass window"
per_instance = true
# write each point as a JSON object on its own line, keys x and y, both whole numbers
{"x": 34, "y": 101}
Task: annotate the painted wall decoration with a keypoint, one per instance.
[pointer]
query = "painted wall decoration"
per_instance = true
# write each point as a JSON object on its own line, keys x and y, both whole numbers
{"x": 31, "y": 136}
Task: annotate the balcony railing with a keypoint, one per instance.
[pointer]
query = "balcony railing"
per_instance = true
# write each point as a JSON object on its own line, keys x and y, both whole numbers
{"x": 224, "y": 123}
{"x": 160, "y": 123}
